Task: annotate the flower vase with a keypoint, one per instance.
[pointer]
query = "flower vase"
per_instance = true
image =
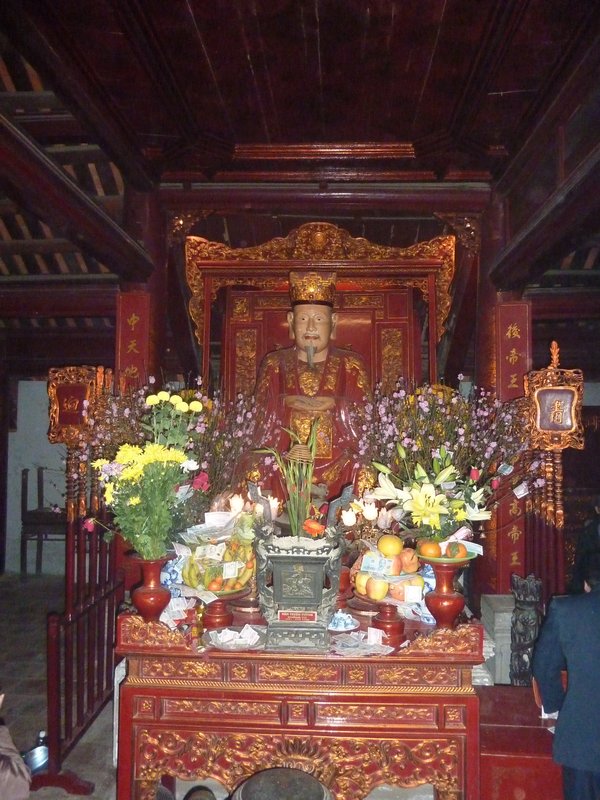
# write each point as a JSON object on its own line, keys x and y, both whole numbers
{"x": 444, "y": 602}
{"x": 151, "y": 598}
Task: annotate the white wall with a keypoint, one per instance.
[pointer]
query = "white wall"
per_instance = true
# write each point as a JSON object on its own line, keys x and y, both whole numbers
{"x": 28, "y": 446}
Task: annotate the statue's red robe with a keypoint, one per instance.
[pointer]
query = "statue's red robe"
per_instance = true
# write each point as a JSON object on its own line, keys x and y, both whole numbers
{"x": 341, "y": 376}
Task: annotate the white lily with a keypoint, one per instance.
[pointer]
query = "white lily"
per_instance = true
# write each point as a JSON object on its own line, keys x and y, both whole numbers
{"x": 474, "y": 513}
{"x": 370, "y": 511}
{"x": 386, "y": 489}
{"x": 445, "y": 475}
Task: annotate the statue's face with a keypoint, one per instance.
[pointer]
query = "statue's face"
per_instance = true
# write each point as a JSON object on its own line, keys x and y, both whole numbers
{"x": 312, "y": 326}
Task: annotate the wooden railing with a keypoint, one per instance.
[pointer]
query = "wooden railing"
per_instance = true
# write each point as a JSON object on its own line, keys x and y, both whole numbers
{"x": 80, "y": 641}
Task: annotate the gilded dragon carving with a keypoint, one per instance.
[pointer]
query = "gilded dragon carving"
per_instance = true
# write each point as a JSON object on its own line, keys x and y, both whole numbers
{"x": 350, "y": 768}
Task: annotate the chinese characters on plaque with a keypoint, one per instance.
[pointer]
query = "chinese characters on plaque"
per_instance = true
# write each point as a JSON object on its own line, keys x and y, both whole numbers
{"x": 514, "y": 348}
{"x": 133, "y": 338}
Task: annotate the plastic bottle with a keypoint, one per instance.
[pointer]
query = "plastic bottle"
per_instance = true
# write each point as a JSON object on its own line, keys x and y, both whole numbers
{"x": 42, "y": 739}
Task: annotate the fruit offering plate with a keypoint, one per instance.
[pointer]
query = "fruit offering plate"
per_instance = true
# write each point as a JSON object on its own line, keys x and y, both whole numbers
{"x": 232, "y": 639}
{"x": 447, "y": 559}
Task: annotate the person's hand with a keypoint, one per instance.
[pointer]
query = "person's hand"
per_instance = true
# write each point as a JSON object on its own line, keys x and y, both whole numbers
{"x": 312, "y": 405}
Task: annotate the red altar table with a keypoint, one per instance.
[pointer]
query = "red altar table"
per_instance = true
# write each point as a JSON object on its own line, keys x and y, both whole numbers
{"x": 405, "y": 719}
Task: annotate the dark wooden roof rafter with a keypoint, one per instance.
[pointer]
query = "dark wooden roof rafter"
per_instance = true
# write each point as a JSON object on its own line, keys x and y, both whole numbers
{"x": 43, "y": 187}
{"x": 54, "y": 55}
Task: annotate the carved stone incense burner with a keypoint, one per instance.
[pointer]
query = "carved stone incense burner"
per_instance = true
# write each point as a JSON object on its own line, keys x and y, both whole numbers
{"x": 298, "y": 580}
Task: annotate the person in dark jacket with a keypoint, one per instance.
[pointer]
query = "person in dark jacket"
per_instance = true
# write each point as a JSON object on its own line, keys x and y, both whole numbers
{"x": 587, "y": 541}
{"x": 570, "y": 640}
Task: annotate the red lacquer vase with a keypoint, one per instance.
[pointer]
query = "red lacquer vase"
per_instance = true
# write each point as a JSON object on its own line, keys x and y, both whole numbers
{"x": 444, "y": 602}
{"x": 151, "y": 598}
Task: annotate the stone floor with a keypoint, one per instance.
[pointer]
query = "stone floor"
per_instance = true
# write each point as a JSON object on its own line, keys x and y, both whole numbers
{"x": 23, "y": 610}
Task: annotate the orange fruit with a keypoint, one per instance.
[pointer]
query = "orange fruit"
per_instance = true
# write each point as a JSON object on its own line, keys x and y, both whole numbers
{"x": 429, "y": 549}
{"x": 456, "y": 550}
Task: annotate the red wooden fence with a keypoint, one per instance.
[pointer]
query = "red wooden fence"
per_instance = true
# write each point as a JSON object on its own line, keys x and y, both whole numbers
{"x": 80, "y": 643}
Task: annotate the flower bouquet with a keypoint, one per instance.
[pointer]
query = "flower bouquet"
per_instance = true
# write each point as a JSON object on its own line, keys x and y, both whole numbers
{"x": 145, "y": 485}
{"x": 440, "y": 457}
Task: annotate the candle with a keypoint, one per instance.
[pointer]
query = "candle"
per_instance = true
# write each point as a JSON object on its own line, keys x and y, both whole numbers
{"x": 370, "y": 511}
{"x": 274, "y": 503}
{"x": 348, "y": 517}
{"x": 236, "y": 503}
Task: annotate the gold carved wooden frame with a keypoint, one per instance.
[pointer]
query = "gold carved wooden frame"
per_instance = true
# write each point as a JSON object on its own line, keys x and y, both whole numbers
{"x": 563, "y": 388}
{"x": 80, "y": 383}
{"x": 426, "y": 266}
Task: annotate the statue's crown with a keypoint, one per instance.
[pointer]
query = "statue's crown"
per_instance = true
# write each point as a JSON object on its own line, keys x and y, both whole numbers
{"x": 312, "y": 287}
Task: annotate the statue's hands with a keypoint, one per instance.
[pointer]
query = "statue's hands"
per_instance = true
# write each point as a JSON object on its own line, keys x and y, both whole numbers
{"x": 312, "y": 405}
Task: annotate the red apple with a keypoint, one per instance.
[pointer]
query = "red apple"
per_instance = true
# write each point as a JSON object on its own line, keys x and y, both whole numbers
{"x": 410, "y": 562}
{"x": 396, "y": 567}
{"x": 397, "y": 590}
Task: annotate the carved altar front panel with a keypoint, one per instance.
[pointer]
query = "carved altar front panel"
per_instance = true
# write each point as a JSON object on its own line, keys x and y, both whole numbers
{"x": 405, "y": 719}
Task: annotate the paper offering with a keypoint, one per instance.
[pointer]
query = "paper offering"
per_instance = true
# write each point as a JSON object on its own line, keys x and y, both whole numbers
{"x": 247, "y": 637}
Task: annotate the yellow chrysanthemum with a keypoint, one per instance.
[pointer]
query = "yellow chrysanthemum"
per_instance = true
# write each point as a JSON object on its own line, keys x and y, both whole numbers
{"x": 134, "y": 501}
{"x": 163, "y": 396}
{"x": 100, "y": 462}
{"x": 128, "y": 453}
{"x": 196, "y": 406}
{"x": 158, "y": 452}
{"x": 175, "y": 399}
{"x": 109, "y": 491}
{"x": 152, "y": 400}
{"x": 182, "y": 407}
{"x": 426, "y": 506}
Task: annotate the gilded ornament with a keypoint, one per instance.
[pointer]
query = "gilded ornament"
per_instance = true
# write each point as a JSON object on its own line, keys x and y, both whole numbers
{"x": 392, "y": 357}
{"x": 225, "y": 708}
{"x": 134, "y": 632}
{"x": 298, "y": 672}
{"x": 463, "y": 640}
{"x": 349, "y": 767}
{"x": 245, "y": 360}
{"x": 323, "y": 242}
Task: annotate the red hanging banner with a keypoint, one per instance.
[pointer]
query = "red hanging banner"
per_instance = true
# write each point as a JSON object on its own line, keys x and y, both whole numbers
{"x": 510, "y": 555}
{"x": 133, "y": 339}
{"x": 513, "y": 348}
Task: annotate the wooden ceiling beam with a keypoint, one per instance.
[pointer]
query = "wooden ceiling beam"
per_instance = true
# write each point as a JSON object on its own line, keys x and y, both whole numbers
{"x": 45, "y": 298}
{"x": 42, "y": 187}
{"x": 139, "y": 30}
{"x": 323, "y": 198}
{"x": 55, "y": 57}
{"x": 27, "y": 247}
{"x": 19, "y": 104}
{"x": 571, "y": 212}
{"x": 35, "y": 352}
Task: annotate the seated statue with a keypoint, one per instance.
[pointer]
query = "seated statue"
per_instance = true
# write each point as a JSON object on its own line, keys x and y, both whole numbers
{"x": 312, "y": 379}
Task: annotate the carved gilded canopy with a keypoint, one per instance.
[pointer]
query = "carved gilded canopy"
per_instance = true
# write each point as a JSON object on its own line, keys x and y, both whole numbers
{"x": 360, "y": 266}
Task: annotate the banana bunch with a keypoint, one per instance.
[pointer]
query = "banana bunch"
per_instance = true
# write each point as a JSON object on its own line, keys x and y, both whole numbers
{"x": 191, "y": 573}
{"x": 243, "y": 553}
{"x": 208, "y": 574}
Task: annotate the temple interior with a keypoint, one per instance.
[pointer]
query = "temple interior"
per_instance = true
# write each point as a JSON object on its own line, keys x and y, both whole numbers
{"x": 316, "y": 219}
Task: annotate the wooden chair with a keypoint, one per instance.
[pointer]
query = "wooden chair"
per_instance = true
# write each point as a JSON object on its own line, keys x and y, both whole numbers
{"x": 40, "y": 524}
